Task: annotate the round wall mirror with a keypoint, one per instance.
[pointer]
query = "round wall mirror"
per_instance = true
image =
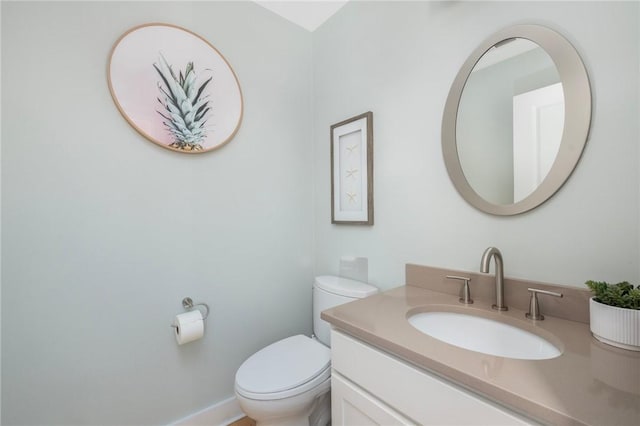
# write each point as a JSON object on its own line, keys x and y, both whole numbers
{"x": 516, "y": 120}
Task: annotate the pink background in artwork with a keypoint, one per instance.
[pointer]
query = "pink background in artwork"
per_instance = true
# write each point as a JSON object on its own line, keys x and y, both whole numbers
{"x": 134, "y": 81}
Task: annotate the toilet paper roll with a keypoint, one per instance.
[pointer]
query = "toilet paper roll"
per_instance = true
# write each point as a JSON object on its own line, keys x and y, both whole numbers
{"x": 189, "y": 326}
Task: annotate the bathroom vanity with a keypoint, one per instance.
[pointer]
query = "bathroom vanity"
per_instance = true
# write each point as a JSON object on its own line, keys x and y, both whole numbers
{"x": 367, "y": 383}
{"x": 385, "y": 371}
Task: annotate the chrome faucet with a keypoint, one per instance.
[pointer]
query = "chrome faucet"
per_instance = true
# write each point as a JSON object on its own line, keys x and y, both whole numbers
{"x": 484, "y": 267}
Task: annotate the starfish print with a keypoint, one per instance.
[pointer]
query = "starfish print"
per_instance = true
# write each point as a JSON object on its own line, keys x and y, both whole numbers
{"x": 351, "y": 148}
{"x": 352, "y": 197}
{"x": 352, "y": 172}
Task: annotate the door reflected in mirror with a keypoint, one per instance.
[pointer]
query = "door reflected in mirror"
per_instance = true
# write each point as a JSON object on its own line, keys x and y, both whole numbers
{"x": 510, "y": 121}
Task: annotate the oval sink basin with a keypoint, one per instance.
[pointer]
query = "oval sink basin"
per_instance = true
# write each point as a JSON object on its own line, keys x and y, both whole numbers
{"x": 484, "y": 335}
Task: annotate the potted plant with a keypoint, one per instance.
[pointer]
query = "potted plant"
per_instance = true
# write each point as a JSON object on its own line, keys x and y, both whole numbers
{"x": 615, "y": 314}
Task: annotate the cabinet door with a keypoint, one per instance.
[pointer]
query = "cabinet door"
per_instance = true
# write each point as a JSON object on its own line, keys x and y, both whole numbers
{"x": 351, "y": 405}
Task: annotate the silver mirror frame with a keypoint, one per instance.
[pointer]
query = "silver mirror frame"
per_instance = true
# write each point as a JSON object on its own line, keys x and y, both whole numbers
{"x": 577, "y": 95}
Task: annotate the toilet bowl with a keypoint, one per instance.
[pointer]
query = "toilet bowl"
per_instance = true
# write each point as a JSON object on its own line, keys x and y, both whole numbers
{"x": 281, "y": 383}
{"x": 287, "y": 383}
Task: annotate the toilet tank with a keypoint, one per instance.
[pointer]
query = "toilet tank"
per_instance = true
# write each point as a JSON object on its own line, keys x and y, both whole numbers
{"x": 330, "y": 291}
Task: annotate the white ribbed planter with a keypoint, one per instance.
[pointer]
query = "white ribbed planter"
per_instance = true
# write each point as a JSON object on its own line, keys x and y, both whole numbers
{"x": 615, "y": 326}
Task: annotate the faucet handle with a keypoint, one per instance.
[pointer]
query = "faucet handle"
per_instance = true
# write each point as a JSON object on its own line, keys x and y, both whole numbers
{"x": 534, "y": 307}
{"x": 465, "y": 292}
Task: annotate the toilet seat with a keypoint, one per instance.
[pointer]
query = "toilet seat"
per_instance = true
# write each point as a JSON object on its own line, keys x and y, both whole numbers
{"x": 284, "y": 369}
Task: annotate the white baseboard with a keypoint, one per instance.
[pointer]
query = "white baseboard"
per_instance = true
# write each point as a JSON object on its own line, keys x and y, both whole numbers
{"x": 219, "y": 414}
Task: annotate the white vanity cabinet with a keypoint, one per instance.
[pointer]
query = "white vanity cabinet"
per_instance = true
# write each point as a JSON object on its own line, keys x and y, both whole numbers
{"x": 371, "y": 387}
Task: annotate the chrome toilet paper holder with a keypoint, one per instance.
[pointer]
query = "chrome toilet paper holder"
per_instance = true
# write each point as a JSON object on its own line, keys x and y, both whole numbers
{"x": 188, "y": 305}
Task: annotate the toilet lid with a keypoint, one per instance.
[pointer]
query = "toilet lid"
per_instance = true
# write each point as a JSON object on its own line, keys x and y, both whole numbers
{"x": 345, "y": 287}
{"x": 283, "y": 365}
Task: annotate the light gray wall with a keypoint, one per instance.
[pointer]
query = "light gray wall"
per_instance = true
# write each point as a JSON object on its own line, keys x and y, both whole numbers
{"x": 104, "y": 232}
{"x": 399, "y": 60}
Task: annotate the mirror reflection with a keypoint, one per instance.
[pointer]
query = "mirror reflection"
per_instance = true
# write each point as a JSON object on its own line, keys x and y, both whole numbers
{"x": 510, "y": 121}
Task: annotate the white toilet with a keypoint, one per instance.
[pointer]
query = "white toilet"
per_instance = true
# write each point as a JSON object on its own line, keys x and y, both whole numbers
{"x": 288, "y": 382}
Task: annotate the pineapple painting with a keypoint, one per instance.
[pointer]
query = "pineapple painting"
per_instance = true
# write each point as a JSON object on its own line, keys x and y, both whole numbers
{"x": 185, "y": 105}
{"x": 175, "y": 88}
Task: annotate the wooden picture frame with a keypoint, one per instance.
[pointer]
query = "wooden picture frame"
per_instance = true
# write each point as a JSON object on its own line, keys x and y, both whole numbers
{"x": 352, "y": 171}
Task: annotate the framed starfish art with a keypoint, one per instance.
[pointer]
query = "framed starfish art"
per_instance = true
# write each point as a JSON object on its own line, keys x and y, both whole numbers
{"x": 352, "y": 171}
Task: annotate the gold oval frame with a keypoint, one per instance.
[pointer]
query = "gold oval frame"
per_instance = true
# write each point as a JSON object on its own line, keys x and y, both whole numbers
{"x": 140, "y": 130}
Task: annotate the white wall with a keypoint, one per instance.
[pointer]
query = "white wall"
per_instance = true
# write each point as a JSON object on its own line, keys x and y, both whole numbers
{"x": 399, "y": 60}
{"x": 104, "y": 232}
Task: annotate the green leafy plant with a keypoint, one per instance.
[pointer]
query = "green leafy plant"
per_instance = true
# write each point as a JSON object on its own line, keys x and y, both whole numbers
{"x": 185, "y": 107}
{"x": 621, "y": 295}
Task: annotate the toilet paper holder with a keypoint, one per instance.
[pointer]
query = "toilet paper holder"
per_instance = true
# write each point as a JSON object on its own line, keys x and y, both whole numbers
{"x": 188, "y": 305}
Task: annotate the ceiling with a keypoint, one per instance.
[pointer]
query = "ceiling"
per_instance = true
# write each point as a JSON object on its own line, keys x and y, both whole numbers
{"x": 309, "y": 14}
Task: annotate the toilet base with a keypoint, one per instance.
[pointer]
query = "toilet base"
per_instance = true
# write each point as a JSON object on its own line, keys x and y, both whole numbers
{"x": 321, "y": 413}
{"x": 312, "y": 408}
{"x": 318, "y": 415}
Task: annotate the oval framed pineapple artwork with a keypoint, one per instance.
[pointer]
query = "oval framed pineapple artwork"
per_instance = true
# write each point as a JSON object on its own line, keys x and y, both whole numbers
{"x": 175, "y": 88}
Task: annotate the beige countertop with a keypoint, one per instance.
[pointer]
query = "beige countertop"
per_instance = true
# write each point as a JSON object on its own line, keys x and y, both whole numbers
{"x": 590, "y": 383}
